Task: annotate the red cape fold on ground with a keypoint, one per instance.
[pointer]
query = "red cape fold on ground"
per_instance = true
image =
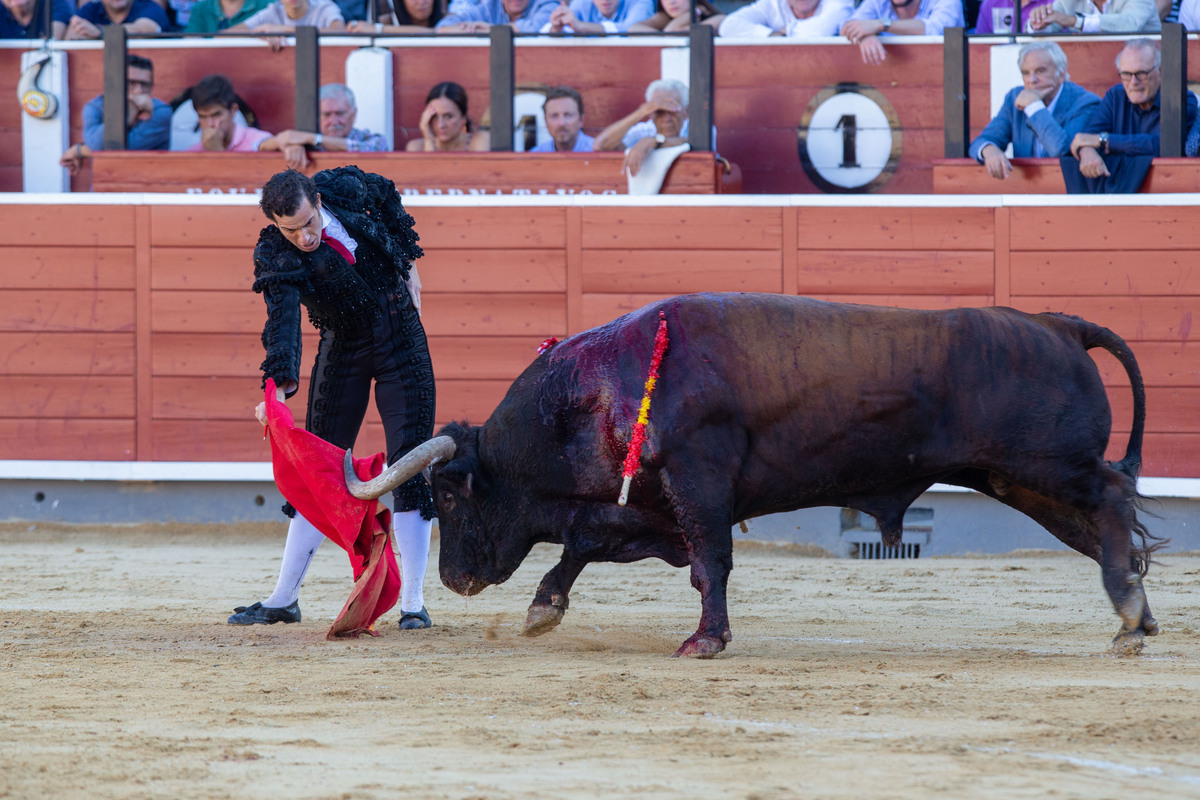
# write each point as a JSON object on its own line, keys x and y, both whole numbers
{"x": 308, "y": 472}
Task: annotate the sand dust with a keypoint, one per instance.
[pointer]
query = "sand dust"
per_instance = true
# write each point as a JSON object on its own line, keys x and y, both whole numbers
{"x": 956, "y": 678}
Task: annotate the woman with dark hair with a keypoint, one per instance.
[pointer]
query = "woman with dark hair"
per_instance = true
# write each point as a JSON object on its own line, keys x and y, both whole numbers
{"x": 675, "y": 15}
{"x": 445, "y": 126}
{"x": 403, "y": 16}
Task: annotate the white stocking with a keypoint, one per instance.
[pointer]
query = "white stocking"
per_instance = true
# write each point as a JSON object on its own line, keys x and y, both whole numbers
{"x": 412, "y": 537}
{"x": 303, "y": 539}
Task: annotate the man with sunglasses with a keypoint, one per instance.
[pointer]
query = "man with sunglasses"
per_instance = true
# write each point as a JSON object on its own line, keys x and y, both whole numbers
{"x": 1112, "y": 153}
{"x": 147, "y": 119}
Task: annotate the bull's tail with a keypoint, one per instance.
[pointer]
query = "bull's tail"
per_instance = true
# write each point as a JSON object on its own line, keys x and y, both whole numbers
{"x": 1097, "y": 336}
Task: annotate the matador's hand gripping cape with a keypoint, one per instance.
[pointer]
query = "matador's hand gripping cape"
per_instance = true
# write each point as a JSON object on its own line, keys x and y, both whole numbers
{"x": 309, "y": 474}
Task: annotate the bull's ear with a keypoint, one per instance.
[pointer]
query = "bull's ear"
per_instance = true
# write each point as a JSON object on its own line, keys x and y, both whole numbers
{"x": 458, "y": 473}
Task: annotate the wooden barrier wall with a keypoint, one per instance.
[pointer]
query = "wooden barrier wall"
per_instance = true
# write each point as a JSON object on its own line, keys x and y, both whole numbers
{"x": 128, "y": 332}
{"x": 761, "y": 97}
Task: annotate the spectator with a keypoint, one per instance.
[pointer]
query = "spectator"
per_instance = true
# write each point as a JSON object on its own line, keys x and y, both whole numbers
{"x": 406, "y": 16}
{"x": 338, "y": 112}
{"x": 284, "y": 16}
{"x": 147, "y": 120}
{"x": 215, "y": 105}
{"x": 996, "y": 16}
{"x": 878, "y": 18}
{"x": 1120, "y": 139}
{"x": 1189, "y": 14}
{"x": 797, "y": 18}
{"x": 598, "y": 16}
{"x": 1081, "y": 16}
{"x": 137, "y": 16}
{"x": 675, "y": 15}
{"x": 445, "y": 125}
{"x": 1041, "y": 118}
{"x": 525, "y": 16}
{"x": 214, "y": 16}
{"x": 666, "y": 108}
{"x": 564, "y": 119}
{"x": 26, "y": 19}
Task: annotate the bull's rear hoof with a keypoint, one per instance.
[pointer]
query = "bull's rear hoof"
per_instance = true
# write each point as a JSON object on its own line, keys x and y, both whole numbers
{"x": 1128, "y": 643}
{"x": 700, "y": 647}
{"x": 542, "y": 619}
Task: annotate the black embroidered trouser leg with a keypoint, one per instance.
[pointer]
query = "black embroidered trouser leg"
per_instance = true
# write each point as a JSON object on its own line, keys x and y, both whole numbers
{"x": 395, "y": 354}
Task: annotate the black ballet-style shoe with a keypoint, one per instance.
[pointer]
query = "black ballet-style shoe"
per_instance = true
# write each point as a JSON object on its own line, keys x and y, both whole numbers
{"x": 258, "y": 614}
{"x": 415, "y": 620}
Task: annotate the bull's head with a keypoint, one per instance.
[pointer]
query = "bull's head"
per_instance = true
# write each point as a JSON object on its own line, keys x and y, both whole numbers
{"x": 476, "y": 551}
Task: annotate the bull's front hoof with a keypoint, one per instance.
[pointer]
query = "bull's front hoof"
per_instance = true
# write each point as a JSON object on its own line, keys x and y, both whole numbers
{"x": 1128, "y": 643}
{"x": 700, "y": 647}
{"x": 1149, "y": 625}
{"x": 542, "y": 619}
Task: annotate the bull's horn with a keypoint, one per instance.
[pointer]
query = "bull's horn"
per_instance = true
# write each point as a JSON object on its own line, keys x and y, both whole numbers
{"x": 439, "y": 448}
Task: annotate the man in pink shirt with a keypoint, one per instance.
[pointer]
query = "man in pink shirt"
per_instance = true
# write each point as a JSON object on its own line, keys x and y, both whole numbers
{"x": 216, "y": 105}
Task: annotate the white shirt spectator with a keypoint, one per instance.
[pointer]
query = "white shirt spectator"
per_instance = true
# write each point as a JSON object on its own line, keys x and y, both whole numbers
{"x": 764, "y": 17}
{"x": 320, "y": 14}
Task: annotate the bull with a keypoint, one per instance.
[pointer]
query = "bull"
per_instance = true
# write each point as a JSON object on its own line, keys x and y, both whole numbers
{"x": 767, "y": 403}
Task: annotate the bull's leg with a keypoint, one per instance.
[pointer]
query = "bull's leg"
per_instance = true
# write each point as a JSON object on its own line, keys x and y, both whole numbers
{"x": 1114, "y": 521}
{"x": 551, "y": 601}
{"x": 1071, "y": 526}
{"x": 707, "y": 532}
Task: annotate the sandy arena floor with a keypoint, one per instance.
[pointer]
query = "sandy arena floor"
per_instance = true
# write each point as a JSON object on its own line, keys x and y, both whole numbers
{"x": 956, "y": 678}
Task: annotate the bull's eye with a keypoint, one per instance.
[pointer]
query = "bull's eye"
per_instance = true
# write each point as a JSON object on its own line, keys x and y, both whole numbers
{"x": 447, "y": 500}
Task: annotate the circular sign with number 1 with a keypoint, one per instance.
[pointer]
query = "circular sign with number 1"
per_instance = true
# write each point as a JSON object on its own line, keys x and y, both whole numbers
{"x": 849, "y": 139}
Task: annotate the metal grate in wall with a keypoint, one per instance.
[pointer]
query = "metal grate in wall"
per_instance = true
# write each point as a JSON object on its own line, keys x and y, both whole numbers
{"x": 865, "y": 541}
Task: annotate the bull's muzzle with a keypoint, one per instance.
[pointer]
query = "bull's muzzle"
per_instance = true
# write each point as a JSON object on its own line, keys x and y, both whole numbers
{"x": 439, "y": 448}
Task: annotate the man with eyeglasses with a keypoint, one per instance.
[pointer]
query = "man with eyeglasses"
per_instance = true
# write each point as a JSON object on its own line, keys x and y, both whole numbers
{"x": 147, "y": 119}
{"x": 1113, "y": 151}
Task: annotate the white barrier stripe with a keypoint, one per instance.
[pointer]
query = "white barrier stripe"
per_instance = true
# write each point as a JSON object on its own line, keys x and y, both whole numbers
{"x": 235, "y": 471}
{"x": 551, "y": 200}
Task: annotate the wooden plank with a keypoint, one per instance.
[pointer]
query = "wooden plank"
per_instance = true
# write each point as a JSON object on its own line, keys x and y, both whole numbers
{"x": 494, "y": 357}
{"x": 905, "y": 272}
{"x": 66, "y": 310}
{"x": 574, "y": 274}
{"x": 493, "y": 270}
{"x": 897, "y": 229}
{"x": 217, "y": 268}
{"x": 227, "y": 355}
{"x": 1137, "y": 319}
{"x": 681, "y": 271}
{"x": 1168, "y": 410}
{"x": 472, "y": 400}
{"x": 207, "y": 312}
{"x": 207, "y": 398}
{"x": 967, "y": 176}
{"x": 499, "y": 314}
{"x": 481, "y": 228}
{"x": 1165, "y": 455}
{"x": 81, "y": 267}
{"x": 79, "y": 397}
{"x": 682, "y": 229}
{"x": 67, "y": 439}
{"x": 36, "y": 225}
{"x": 413, "y": 173}
{"x": 1123, "y": 272}
{"x": 214, "y": 440}
{"x": 1161, "y": 363}
{"x": 41, "y": 353}
{"x": 1106, "y": 228}
{"x": 790, "y": 250}
{"x": 1002, "y": 274}
{"x": 142, "y": 334}
{"x": 207, "y": 226}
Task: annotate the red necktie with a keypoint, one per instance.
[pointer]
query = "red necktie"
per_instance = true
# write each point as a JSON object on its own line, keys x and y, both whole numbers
{"x": 338, "y": 246}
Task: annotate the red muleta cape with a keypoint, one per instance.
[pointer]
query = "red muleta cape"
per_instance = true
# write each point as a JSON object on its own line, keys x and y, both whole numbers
{"x": 308, "y": 472}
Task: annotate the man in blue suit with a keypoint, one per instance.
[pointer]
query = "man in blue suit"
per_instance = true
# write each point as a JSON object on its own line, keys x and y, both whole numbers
{"x": 1040, "y": 118}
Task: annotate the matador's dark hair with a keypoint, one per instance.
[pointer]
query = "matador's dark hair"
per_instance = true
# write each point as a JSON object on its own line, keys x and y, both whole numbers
{"x": 282, "y": 194}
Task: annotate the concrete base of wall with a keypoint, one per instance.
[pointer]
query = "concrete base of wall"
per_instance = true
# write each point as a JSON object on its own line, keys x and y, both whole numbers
{"x": 942, "y": 523}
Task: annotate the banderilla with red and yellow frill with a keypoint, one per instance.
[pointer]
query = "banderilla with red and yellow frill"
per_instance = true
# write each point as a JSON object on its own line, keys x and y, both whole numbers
{"x": 639, "y": 428}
